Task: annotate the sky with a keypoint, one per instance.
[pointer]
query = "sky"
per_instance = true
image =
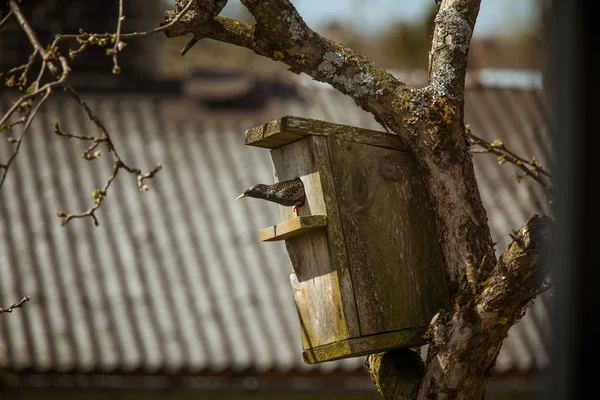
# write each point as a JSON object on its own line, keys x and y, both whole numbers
{"x": 496, "y": 17}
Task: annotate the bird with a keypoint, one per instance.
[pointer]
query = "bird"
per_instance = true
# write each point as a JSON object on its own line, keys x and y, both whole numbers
{"x": 287, "y": 193}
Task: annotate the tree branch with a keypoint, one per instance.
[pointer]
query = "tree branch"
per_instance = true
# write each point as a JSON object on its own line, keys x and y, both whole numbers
{"x": 5, "y": 19}
{"x": 46, "y": 56}
{"x": 466, "y": 339}
{"x": 100, "y": 39}
{"x": 25, "y": 103}
{"x": 35, "y": 97}
{"x": 282, "y": 35}
{"x": 454, "y": 24}
{"x": 118, "y": 44}
{"x": 531, "y": 168}
{"x": 20, "y": 304}
{"x": 99, "y": 195}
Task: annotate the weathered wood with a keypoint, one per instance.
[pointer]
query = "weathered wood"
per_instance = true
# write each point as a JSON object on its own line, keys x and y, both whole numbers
{"x": 318, "y": 302}
{"x": 293, "y": 227}
{"x": 366, "y": 345}
{"x": 391, "y": 240}
{"x": 289, "y": 129}
{"x": 271, "y": 135}
{"x": 337, "y": 245}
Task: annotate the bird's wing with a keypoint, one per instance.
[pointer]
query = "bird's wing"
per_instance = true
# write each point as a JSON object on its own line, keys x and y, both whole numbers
{"x": 293, "y": 192}
{"x": 292, "y": 189}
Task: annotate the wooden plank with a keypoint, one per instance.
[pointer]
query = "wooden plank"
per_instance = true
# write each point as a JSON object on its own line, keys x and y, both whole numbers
{"x": 337, "y": 245}
{"x": 289, "y": 129}
{"x": 366, "y": 345}
{"x": 391, "y": 239}
{"x": 318, "y": 300}
{"x": 293, "y": 227}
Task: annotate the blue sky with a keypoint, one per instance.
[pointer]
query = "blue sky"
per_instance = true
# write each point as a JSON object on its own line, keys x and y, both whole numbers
{"x": 496, "y": 17}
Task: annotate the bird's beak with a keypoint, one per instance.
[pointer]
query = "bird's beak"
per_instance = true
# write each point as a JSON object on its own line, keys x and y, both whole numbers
{"x": 240, "y": 196}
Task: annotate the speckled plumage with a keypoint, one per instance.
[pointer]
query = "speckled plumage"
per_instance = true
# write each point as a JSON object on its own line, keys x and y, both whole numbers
{"x": 286, "y": 193}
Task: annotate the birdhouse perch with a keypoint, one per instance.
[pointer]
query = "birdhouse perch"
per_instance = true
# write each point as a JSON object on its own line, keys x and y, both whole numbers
{"x": 365, "y": 260}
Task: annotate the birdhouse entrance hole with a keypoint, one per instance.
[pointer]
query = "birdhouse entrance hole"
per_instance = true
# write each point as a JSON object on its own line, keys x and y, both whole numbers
{"x": 366, "y": 263}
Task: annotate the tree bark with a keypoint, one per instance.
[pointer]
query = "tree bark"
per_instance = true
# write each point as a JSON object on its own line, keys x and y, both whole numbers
{"x": 488, "y": 296}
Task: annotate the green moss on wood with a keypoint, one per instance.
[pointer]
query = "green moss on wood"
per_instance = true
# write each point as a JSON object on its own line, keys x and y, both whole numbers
{"x": 364, "y": 345}
{"x": 440, "y": 112}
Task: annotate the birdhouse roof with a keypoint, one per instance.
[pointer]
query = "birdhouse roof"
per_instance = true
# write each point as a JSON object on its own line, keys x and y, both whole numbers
{"x": 289, "y": 129}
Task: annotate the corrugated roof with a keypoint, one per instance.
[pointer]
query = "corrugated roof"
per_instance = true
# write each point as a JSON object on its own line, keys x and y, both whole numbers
{"x": 175, "y": 280}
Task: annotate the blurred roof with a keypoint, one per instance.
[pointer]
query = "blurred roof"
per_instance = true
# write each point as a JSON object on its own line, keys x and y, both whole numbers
{"x": 175, "y": 281}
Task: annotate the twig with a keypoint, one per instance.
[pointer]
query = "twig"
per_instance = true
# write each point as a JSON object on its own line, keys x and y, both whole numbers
{"x": 8, "y": 127}
{"x": 499, "y": 145}
{"x": 24, "y": 70}
{"x": 36, "y": 96}
{"x": 93, "y": 38}
{"x": 10, "y": 308}
{"x": 45, "y": 92}
{"x": 32, "y": 37}
{"x": 531, "y": 168}
{"x": 22, "y": 82}
{"x": 19, "y": 141}
{"x": 117, "y": 47}
{"x": 98, "y": 195}
{"x": 6, "y": 19}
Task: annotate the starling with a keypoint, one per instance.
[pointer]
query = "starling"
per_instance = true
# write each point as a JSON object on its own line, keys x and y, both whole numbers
{"x": 286, "y": 193}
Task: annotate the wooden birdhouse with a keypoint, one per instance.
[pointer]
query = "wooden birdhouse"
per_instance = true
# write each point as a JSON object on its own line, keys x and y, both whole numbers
{"x": 365, "y": 261}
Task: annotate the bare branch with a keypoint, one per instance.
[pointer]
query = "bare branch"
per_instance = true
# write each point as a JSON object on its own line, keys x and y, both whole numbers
{"x": 36, "y": 96}
{"x": 98, "y": 38}
{"x": 6, "y": 19}
{"x": 118, "y": 44}
{"x": 20, "y": 304}
{"x": 454, "y": 23}
{"x": 289, "y": 40}
{"x": 24, "y": 69}
{"x": 27, "y": 102}
{"x": 531, "y": 168}
{"x": 46, "y": 56}
{"x": 99, "y": 195}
